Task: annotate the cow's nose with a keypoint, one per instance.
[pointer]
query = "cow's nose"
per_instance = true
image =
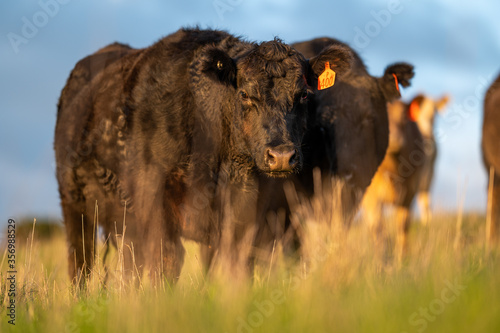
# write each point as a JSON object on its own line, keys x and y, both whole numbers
{"x": 281, "y": 158}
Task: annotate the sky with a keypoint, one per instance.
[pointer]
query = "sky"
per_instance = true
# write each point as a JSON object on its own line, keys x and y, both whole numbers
{"x": 454, "y": 46}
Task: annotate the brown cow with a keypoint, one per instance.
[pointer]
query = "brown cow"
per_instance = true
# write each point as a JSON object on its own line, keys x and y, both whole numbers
{"x": 491, "y": 155}
{"x": 397, "y": 179}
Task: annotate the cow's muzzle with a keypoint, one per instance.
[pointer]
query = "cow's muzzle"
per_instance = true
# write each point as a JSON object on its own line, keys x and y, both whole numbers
{"x": 282, "y": 158}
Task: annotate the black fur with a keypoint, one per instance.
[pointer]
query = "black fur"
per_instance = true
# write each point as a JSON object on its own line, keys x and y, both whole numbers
{"x": 350, "y": 126}
{"x": 176, "y": 134}
{"x": 348, "y": 131}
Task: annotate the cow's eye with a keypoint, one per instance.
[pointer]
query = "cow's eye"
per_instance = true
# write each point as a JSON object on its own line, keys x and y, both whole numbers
{"x": 244, "y": 96}
{"x": 303, "y": 96}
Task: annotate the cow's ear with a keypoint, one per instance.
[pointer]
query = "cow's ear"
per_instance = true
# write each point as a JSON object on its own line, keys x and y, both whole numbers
{"x": 415, "y": 108}
{"x": 338, "y": 57}
{"x": 395, "y": 75}
{"x": 217, "y": 65}
{"x": 442, "y": 103}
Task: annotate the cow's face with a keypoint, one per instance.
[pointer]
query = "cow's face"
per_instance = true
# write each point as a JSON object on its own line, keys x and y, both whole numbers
{"x": 271, "y": 106}
{"x": 273, "y": 91}
{"x": 423, "y": 109}
{"x": 266, "y": 89}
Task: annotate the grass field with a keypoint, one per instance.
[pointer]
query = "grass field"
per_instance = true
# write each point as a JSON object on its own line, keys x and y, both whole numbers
{"x": 447, "y": 283}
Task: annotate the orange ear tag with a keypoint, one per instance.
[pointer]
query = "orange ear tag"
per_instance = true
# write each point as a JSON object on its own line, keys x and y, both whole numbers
{"x": 414, "y": 111}
{"x": 396, "y": 80}
{"x": 327, "y": 78}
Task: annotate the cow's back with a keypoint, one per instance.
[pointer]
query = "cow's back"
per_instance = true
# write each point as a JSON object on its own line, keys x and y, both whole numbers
{"x": 99, "y": 96}
{"x": 87, "y": 68}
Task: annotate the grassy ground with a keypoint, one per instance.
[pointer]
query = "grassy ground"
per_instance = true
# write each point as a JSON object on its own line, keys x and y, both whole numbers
{"x": 446, "y": 284}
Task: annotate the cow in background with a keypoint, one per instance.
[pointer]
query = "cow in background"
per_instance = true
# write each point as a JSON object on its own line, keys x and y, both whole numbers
{"x": 398, "y": 178}
{"x": 423, "y": 110}
{"x": 491, "y": 156}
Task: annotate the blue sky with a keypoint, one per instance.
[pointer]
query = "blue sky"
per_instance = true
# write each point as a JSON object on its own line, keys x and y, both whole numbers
{"x": 454, "y": 45}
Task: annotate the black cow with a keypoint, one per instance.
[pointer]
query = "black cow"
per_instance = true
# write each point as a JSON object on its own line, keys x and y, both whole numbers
{"x": 351, "y": 126}
{"x": 491, "y": 155}
{"x": 347, "y": 138}
{"x": 169, "y": 141}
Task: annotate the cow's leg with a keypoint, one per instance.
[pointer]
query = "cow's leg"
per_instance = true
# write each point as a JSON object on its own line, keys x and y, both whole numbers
{"x": 373, "y": 217}
{"x": 403, "y": 226}
{"x": 291, "y": 242}
{"x": 239, "y": 227}
{"x": 162, "y": 253}
{"x": 423, "y": 201}
{"x": 244, "y": 237}
{"x": 158, "y": 219}
{"x": 79, "y": 232}
{"x": 207, "y": 254}
{"x": 173, "y": 256}
{"x": 127, "y": 236}
{"x": 495, "y": 212}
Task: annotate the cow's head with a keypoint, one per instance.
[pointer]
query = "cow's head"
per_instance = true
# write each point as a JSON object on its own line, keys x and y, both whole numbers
{"x": 422, "y": 109}
{"x": 268, "y": 86}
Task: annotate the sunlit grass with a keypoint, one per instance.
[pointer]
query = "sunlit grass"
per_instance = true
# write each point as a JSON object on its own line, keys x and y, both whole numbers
{"x": 341, "y": 284}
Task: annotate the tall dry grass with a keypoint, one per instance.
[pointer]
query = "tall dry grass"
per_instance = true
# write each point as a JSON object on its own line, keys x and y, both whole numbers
{"x": 340, "y": 282}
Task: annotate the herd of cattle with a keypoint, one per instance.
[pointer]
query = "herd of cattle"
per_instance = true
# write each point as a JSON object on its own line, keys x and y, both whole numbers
{"x": 199, "y": 133}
